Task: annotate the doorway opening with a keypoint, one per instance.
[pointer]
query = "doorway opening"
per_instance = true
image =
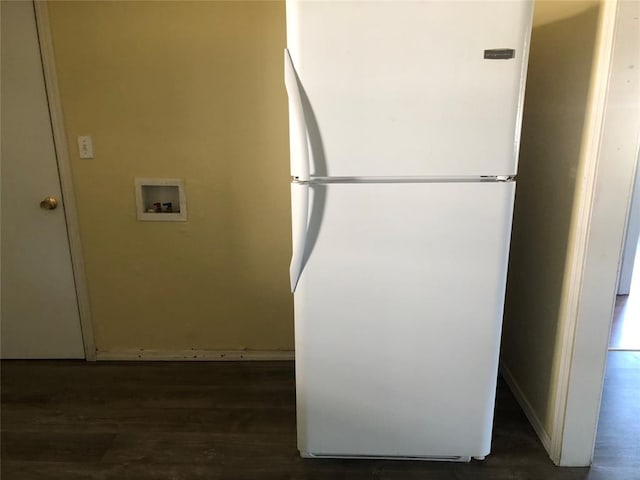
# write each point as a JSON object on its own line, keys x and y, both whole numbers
{"x": 625, "y": 328}
{"x": 618, "y": 433}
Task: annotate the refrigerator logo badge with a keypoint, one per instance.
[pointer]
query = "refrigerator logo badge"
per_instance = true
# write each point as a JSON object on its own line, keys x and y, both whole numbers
{"x": 499, "y": 53}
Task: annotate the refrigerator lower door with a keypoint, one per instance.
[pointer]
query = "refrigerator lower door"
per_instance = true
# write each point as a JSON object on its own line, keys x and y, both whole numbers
{"x": 398, "y": 314}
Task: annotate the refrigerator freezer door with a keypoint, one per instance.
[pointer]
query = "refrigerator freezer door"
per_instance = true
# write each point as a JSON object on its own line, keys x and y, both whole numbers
{"x": 398, "y": 316}
{"x": 407, "y": 88}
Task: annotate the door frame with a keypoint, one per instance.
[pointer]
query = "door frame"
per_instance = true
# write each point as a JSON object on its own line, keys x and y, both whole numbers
{"x": 603, "y": 191}
{"x": 64, "y": 170}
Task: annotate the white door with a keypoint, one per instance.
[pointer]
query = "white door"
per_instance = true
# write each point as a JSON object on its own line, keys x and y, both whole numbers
{"x": 403, "y": 88}
{"x": 40, "y": 316}
{"x": 398, "y": 314}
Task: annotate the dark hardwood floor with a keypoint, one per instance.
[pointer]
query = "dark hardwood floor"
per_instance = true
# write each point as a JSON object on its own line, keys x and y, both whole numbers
{"x": 618, "y": 438}
{"x": 170, "y": 420}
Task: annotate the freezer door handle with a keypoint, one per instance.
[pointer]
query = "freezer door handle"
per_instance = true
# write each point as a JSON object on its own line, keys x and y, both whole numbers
{"x": 298, "y": 131}
{"x": 299, "y": 224}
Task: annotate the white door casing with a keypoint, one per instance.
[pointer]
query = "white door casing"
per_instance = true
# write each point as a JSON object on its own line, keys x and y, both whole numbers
{"x": 40, "y": 317}
{"x": 602, "y": 201}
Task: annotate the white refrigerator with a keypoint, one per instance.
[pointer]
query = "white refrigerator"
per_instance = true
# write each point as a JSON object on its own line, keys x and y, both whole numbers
{"x": 404, "y": 132}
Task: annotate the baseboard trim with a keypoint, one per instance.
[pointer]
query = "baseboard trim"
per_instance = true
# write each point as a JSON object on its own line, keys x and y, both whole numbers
{"x": 526, "y": 408}
{"x": 194, "y": 355}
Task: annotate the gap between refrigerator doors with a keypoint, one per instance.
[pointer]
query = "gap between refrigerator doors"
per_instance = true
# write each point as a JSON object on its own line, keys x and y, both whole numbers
{"x": 470, "y": 179}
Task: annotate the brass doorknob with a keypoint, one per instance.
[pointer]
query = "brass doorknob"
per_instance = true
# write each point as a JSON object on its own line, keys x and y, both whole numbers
{"x": 49, "y": 203}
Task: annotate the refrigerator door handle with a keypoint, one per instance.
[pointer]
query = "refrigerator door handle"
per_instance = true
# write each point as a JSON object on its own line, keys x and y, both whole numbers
{"x": 299, "y": 223}
{"x": 299, "y": 140}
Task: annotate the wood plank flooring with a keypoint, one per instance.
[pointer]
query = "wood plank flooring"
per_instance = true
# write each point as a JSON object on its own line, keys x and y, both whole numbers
{"x": 618, "y": 438}
{"x": 198, "y": 420}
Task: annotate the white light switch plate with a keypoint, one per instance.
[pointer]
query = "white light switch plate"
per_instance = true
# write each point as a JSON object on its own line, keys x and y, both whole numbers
{"x": 85, "y": 146}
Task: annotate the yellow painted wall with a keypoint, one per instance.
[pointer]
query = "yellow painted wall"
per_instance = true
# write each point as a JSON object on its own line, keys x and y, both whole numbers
{"x": 559, "y": 78}
{"x": 554, "y": 11}
{"x": 192, "y": 90}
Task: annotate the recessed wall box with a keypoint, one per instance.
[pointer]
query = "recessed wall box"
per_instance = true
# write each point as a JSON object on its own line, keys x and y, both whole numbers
{"x": 161, "y": 199}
